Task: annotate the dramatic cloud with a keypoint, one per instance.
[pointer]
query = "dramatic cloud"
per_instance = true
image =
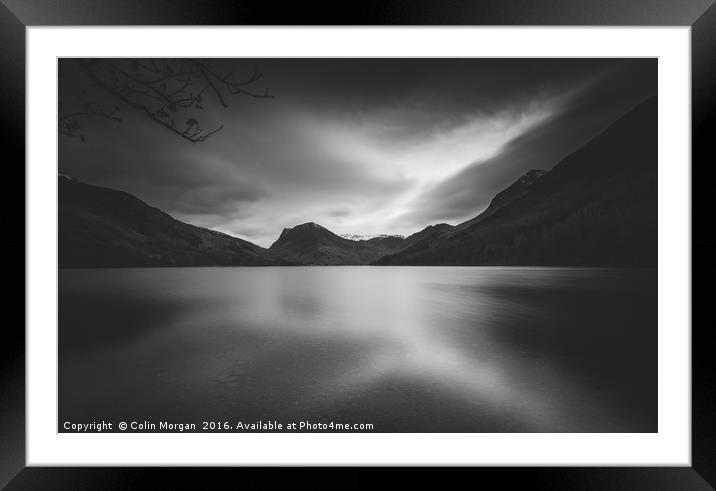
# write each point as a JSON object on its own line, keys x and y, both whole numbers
{"x": 361, "y": 146}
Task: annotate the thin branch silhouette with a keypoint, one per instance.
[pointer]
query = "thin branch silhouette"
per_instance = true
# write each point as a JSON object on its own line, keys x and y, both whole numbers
{"x": 170, "y": 92}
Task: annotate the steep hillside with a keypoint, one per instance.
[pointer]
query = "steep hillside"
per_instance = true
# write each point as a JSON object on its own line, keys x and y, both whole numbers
{"x": 596, "y": 207}
{"x": 102, "y": 227}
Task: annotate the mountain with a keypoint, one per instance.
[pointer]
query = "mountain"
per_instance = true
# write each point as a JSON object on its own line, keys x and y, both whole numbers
{"x": 312, "y": 244}
{"x": 102, "y": 227}
{"x": 596, "y": 207}
{"x": 432, "y": 235}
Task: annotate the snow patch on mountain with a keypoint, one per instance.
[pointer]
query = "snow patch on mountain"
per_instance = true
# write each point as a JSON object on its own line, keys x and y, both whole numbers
{"x": 359, "y": 237}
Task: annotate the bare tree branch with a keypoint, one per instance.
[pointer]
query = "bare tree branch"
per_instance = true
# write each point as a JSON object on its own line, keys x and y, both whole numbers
{"x": 68, "y": 123}
{"x": 166, "y": 91}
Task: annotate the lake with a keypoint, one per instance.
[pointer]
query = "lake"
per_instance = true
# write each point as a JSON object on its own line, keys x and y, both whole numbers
{"x": 405, "y": 349}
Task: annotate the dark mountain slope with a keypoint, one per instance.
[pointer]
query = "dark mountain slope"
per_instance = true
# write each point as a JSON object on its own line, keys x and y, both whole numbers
{"x": 515, "y": 191}
{"x": 596, "y": 207}
{"x": 102, "y": 227}
{"x": 429, "y": 231}
{"x": 312, "y": 244}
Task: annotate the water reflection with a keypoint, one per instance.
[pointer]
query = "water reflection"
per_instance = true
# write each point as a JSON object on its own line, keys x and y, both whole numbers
{"x": 409, "y": 349}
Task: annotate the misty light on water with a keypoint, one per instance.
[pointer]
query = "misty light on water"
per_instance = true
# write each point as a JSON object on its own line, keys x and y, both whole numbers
{"x": 403, "y": 347}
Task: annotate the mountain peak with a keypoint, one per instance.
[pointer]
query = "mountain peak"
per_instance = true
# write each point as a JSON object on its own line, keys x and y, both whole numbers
{"x": 305, "y": 234}
{"x": 310, "y": 243}
{"x": 308, "y": 225}
{"x": 304, "y": 228}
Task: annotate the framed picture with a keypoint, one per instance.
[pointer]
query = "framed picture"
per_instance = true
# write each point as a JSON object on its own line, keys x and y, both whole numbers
{"x": 416, "y": 235}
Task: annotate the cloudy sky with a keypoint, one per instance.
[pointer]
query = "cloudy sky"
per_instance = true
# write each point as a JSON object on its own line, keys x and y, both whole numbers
{"x": 381, "y": 146}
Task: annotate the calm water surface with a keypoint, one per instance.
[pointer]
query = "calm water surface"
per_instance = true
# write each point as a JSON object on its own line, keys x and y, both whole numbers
{"x": 419, "y": 349}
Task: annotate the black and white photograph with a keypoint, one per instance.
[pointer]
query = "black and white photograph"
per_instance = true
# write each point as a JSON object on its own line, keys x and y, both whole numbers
{"x": 357, "y": 245}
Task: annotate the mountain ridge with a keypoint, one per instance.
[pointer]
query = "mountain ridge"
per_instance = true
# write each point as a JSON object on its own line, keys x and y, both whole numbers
{"x": 595, "y": 207}
{"x": 104, "y": 227}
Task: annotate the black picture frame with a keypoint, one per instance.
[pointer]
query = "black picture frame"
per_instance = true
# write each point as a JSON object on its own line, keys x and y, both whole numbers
{"x": 16, "y": 15}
